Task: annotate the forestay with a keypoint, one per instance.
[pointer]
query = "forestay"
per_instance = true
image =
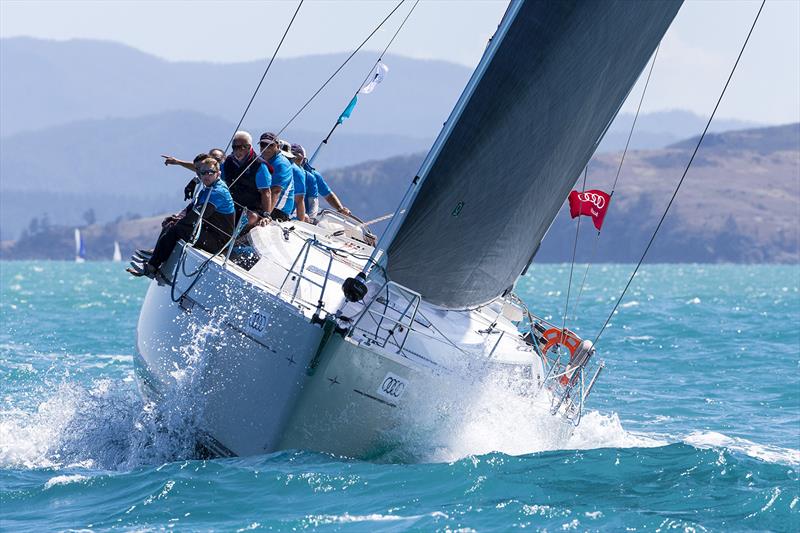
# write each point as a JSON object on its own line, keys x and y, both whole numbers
{"x": 530, "y": 118}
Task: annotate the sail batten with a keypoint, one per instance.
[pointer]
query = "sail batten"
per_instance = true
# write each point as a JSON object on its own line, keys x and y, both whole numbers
{"x": 525, "y": 128}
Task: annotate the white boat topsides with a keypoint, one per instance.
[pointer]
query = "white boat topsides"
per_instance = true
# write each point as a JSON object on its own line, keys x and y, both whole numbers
{"x": 276, "y": 375}
{"x": 303, "y": 274}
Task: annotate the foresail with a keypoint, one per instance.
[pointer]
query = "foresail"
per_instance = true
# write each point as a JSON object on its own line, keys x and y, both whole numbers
{"x": 551, "y": 81}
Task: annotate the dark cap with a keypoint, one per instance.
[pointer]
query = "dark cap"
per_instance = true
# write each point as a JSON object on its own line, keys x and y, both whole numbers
{"x": 268, "y": 137}
{"x": 298, "y": 150}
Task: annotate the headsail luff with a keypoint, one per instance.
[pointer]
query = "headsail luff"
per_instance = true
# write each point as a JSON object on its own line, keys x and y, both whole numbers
{"x": 526, "y": 125}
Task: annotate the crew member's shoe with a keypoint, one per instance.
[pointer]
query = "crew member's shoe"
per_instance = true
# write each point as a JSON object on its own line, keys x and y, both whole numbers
{"x": 139, "y": 270}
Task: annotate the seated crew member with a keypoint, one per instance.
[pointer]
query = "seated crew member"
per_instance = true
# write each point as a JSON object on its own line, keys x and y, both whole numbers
{"x": 298, "y": 155}
{"x": 316, "y": 187}
{"x": 216, "y": 228}
{"x": 188, "y": 191}
{"x": 282, "y": 183}
{"x": 248, "y": 179}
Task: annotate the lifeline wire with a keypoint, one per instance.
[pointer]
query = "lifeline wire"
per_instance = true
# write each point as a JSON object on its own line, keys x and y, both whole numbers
{"x": 264, "y": 75}
{"x": 674, "y": 194}
{"x": 614, "y": 186}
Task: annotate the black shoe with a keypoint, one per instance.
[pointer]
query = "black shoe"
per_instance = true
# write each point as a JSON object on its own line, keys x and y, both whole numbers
{"x": 139, "y": 270}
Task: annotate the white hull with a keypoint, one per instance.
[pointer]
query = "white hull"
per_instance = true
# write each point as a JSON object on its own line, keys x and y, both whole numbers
{"x": 271, "y": 375}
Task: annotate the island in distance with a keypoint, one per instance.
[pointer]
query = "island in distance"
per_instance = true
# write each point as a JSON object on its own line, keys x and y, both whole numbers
{"x": 738, "y": 205}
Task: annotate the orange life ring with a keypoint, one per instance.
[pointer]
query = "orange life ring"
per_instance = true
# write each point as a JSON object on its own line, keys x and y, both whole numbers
{"x": 565, "y": 338}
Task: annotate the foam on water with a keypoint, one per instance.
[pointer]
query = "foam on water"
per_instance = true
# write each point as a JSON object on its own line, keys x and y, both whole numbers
{"x": 705, "y": 438}
{"x": 107, "y": 425}
{"x": 770, "y": 454}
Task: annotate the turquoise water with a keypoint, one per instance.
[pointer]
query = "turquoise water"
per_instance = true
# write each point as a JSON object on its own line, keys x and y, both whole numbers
{"x": 694, "y": 426}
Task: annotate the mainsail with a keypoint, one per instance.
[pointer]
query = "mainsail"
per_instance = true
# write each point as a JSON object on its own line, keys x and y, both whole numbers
{"x": 530, "y": 118}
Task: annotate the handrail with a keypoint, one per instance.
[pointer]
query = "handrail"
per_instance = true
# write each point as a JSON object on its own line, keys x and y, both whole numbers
{"x": 413, "y": 299}
{"x": 308, "y": 245}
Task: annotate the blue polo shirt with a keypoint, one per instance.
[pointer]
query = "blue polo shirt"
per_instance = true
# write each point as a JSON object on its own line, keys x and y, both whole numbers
{"x": 220, "y": 197}
{"x": 299, "y": 179}
{"x": 263, "y": 177}
{"x": 283, "y": 177}
{"x": 315, "y": 183}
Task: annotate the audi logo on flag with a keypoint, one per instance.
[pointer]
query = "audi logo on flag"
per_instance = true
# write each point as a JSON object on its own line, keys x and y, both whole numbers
{"x": 592, "y": 198}
{"x": 392, "y": 386}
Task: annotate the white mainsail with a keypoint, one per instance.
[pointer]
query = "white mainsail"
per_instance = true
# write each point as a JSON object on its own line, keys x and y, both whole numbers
{"x": 80, "y": 251}
{"x": 117, "y": 254}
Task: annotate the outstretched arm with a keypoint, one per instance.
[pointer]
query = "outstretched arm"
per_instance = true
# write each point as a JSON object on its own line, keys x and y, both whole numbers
{"x": 169, "y": 160}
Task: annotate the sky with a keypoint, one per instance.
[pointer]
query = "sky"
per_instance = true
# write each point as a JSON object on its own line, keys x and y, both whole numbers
{"x": 692, "y": 65}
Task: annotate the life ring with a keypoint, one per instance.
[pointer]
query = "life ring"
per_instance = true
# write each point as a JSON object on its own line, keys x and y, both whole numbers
{"x": 565, "y": 338}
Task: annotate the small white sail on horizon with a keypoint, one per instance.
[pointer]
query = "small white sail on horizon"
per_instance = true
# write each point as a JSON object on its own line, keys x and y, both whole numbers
{"x": 117, "y": 254}
{"x": 80, "y": 251}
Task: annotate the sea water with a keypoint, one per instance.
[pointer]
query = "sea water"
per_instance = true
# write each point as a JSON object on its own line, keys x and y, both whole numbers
{"x": 694, "y": 424}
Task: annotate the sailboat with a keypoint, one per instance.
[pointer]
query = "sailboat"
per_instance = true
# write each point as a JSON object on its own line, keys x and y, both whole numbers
{"x": 117, "y": 257}
{"x": 80, "y": 251}
{"x": 335, "y": 343}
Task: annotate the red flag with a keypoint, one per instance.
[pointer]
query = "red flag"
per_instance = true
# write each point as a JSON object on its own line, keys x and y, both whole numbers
{"x": 592, "y": 203}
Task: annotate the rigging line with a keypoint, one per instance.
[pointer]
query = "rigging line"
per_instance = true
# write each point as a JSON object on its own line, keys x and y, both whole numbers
{"x": 616, "y": 178}
{"x": 258, "y": 157}
{"x": 380, "y": 57}
{"x": 369, "y": 73}
{"x": 572, "y": 265}
{"x": 341, "y": 66}
{"x": 686, "y": 170}
{"x": 635, "y": 118}
{"x": 263, "y": 76}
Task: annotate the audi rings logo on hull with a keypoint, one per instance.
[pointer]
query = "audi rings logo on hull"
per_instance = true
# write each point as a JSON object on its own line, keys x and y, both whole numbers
{"x": 593, "y": 198}
{"x": 257, "y": 323}
{"x": 392, "y": 387}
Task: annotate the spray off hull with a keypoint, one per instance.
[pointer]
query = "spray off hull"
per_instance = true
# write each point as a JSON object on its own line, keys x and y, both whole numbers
{"x": 268, "y": 374}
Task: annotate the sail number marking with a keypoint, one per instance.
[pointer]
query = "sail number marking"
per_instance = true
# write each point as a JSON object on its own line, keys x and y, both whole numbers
{"x": 392, "y": 387}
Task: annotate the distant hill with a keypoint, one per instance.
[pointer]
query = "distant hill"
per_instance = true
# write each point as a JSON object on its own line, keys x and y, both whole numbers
{"x": 47, "y": 83}
{"x": 88, "y": 164}
{"x": 50, "y": 83}
{"x": 738, "y": 204}
{"x": 662, "y": 128}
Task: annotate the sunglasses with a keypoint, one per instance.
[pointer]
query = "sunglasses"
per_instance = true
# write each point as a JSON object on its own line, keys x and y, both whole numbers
{"x": 207, "y": 172}
{"x": 264, "y": 144}
{"x": 241, "y": 146}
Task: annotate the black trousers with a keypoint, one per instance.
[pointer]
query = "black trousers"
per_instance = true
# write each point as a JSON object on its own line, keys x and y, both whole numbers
{"x": 210, "y": 240}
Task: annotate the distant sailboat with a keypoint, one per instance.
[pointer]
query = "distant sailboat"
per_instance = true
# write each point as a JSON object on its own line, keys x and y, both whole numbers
{"x": 117, "y": 254}
{"x": 80, "y": 251}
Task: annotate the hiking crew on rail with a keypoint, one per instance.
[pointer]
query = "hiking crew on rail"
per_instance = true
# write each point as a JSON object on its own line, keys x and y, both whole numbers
{"x": 276, "y": 183}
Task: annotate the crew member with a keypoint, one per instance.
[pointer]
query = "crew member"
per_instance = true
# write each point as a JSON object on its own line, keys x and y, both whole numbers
{"x": 248, "y": 179}
{"x": 282, "y": 182}
{"x": 216, "y": 205}
{"x": 316, "y": 187}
